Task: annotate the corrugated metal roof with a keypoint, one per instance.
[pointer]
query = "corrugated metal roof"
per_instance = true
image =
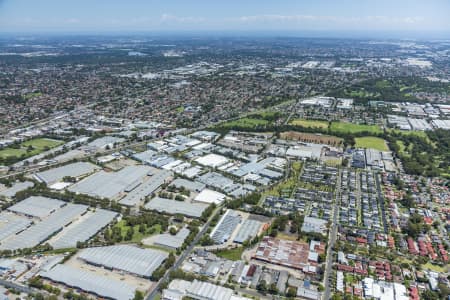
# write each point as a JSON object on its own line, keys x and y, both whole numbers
{"x": 89, "y": 282}
{"x": 125, "y": 257}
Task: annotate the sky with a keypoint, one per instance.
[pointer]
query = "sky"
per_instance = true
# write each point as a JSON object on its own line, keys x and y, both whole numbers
{"x": 95, "y": 16}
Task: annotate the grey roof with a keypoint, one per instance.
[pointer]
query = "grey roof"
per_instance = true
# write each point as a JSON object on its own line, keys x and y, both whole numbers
{"x": 11, "y": 224}
{"x": 176, "y": 207}
{"x": 216, "y": 180}
{"x": 146, "y": 188}
{"x": 145, "y": 156}
{"x": 110, "y": 185}
{"x": 194, "y": 186}
{"x": 84, "y": 230}
{"x": 37, "y": 206}
{"x": 249, "y": 229}
{"x": 16, "y": 187}
{"x": 124, "y": 257}
{"x": 73, "y": 170}
{"x": 90, "y": 282}
{"x": 172, "y": 241}
{"x": 225, "y": 227}
{"x": 41, "y": 231}
{"x": 104, "y": 141}
{"x": 208, "y": 291}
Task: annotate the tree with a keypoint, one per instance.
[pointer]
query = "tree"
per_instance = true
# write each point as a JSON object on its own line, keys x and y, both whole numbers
{"x": 429, "y": 295}
{"x": 273, "y": 289}
{"x": 291, "y": 292}
{"x": 262, "y": 286}
{"x": 138, "y": 295}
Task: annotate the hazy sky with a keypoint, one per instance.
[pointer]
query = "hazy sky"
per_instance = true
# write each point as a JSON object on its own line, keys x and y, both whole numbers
{"x": 173, "y": 15}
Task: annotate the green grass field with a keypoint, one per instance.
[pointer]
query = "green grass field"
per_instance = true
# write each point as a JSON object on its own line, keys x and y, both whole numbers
{"x": 245, "y": 122}
{"x": 137, "y": 236}
{"x": 371, "y": 142}
{"x": 310, "y": 123}
{"x": 344, "y": 127}
{"x": 37, "y": 146}
{"x": 231, "y": 254}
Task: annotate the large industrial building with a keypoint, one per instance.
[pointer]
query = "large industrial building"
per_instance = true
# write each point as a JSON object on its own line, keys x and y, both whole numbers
{"x": 89, "y": 282}
{"x": 74, "y": 170}
{"x": 83, "y": 229}
{"x": 112, "y": 184}
{"x": 173, "y": 207}
{"x": 225, "y": 227}
{"x": 131, "y": 259}
{"x": 282, "y": 252}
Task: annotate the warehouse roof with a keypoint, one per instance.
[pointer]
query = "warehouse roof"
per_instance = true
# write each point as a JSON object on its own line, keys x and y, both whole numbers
{"x": 249, "y": 229}
{"x": 16, "y": 187}
{"x": 209, "y": 196}
{"x": 11, "y": 224}
{"x": 110, "y": 185}
{"x": 146, "y": 188}
{"x": 225, "y": 227}
{"x": 73, "y": 170}
{"x": 193, "y": 186}
{"x": 105, "y": 141}
{"x": 212, "y": 160}
{"x": 37, "y": 206}
{"x": 89, "y": 282}
{"x": 172, "y": 241}
{"x": 124, "y": 257}
{"x": 84, "y": 230}
{"x": 41, "y": 231}
{"x": 176, "y": 207}
{"x": 206, "y": 290}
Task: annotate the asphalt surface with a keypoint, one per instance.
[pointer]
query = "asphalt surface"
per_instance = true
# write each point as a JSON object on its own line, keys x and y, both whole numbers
{"x": 381, "y": 202}
{"x": 331, "y": 241}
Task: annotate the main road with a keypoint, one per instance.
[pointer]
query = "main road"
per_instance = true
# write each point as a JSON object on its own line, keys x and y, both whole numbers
{"x": 183, "y": 256}
{"x": 331, "y": 241}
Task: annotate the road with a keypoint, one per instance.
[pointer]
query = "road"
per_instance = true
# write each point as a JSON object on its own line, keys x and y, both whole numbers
{"x": 18, "y": 287}
{"x": 183, "y": 256}
{"x": 381, "y": 203}
{"x": 331, "y": 241}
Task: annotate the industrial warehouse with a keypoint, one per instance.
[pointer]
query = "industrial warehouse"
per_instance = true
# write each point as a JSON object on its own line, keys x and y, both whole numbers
{"x": 35, "y": 219}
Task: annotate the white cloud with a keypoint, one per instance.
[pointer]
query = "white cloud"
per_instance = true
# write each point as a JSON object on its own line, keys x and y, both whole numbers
{"x": 298, "y": 19}
{"x": 168, "y": 18}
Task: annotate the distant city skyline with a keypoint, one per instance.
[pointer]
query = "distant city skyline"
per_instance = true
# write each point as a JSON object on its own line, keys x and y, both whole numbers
{"x": 359, "y": 16}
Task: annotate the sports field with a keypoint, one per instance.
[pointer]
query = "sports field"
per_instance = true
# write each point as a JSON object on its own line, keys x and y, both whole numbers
{"x": 310, "y": 123}
{"x": 245, "y": 123}
{"x": 30, "y": 148}
{"x": 344, "y": 127}
{"x": 371, "y": 142}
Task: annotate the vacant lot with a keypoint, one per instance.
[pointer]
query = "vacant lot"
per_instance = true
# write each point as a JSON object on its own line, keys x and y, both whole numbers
{"x": 29, "y": 148}
{"x": 344, "y": 127}
{"x": 231, "y": 254}
{"x": 311, "y": 138}
{"x": 371, "y": 142}
{"x": 310, "y": 123}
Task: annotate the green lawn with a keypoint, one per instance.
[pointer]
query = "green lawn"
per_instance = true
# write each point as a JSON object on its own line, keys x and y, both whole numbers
{"x": 354, "y": 128}
{"x": 432, "y": 267}
{"x": 245, "y": 122}
{"x": 310, "y": 123}
{"x": 371, "y": 142}
{"x": 137, "y": 236}
{"x": 32, "y": 95}
{"x": 37, "y": 146}
{"x": 231, "y": 254}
